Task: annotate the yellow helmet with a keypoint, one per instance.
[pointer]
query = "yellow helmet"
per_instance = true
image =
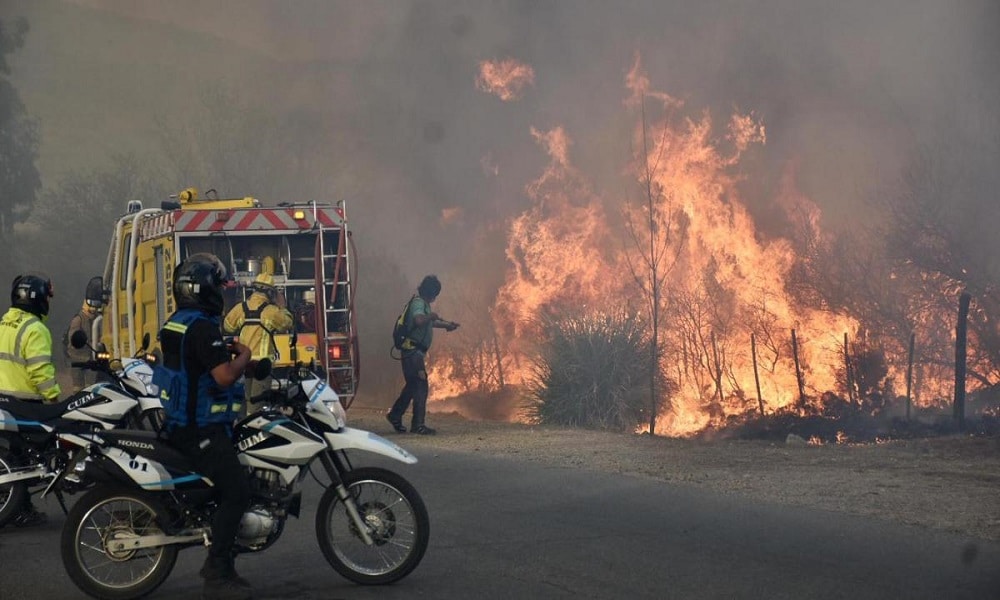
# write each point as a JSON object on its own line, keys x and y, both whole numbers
{"x": 264, "y": 280}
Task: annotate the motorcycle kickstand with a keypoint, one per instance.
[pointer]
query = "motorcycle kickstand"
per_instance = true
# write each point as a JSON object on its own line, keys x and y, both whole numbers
{"x": 62, "y": 502}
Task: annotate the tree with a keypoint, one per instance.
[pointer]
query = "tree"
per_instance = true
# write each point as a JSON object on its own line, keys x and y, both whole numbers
{"x": 19, "y": 178}
{"x": 657, "y": 230}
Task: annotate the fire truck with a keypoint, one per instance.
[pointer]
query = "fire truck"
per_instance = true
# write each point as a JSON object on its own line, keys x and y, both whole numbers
{"x": 306, "y": 247}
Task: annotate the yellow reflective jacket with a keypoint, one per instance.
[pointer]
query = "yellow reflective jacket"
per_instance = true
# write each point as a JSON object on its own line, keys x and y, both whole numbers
{"x": 274, "y": 318}
{"x": 26, "y": 369}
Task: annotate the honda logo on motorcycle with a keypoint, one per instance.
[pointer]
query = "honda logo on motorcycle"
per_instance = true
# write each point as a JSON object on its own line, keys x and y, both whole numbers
{"x": 135, "y": 444}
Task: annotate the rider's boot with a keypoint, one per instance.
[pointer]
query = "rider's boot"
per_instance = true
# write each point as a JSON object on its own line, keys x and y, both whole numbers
{"x": 29, "y": 516}
{"x": 222, "y": 582}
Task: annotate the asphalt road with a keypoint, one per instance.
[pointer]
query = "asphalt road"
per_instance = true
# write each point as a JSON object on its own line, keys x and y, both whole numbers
{"x": 505, "y": 529}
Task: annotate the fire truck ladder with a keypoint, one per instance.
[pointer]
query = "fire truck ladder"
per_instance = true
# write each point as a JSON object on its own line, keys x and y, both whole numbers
{"x": 334, "y": 305}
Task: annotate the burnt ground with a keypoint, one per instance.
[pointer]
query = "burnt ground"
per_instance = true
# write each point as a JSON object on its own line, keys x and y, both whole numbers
{"x": 932, "y": 478}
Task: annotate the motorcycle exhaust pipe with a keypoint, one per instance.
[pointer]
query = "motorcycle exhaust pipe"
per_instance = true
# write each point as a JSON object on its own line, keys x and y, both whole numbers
{"x": 20, "y": 474}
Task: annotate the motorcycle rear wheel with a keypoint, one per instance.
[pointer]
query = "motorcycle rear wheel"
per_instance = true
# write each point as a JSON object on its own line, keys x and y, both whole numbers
{"x": 13, "y": 496}
{"x": 104, "y": 514}
{"x": 396, "y": 519}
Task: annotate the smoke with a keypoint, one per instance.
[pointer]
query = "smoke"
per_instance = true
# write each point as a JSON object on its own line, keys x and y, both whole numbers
{"x": 433, "y": 167}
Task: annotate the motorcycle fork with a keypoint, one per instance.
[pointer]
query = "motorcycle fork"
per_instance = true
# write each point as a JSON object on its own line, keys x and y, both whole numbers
{"x": 335, "y": 465}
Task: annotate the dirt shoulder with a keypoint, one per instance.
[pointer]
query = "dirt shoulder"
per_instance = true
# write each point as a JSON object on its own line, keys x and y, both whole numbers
{"x": 948, "y": 483}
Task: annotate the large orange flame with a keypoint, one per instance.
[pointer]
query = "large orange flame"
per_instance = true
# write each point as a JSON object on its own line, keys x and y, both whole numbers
{"x": 724, "y": 285}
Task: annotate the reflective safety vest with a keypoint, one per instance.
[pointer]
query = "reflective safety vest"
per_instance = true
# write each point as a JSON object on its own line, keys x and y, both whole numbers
{"x": 26, "y": 369}
{"x": 188, "y": 401}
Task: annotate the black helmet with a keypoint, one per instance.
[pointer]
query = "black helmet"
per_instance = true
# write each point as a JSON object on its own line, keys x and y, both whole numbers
{"x": 31, "y": 293}
{"x": 198, "y": 283}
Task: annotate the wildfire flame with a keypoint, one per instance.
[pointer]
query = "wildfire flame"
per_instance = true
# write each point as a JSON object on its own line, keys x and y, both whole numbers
{"x": 724, "y": 282}
{"x": 505, "y": 79}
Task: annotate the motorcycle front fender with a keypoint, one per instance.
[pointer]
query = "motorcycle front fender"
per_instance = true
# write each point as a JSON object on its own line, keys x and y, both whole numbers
{"x": 349, "y": 438}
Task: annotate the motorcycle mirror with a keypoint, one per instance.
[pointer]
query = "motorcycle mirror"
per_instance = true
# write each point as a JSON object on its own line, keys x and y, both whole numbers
{"x": 145, "y": 343}
{"x": 78, "y": 339}
{"x": 262, "y": 369}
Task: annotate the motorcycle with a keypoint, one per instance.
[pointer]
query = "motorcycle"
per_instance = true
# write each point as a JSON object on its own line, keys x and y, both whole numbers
{"x": 121, "y": 539}
{"x": 29, "y": 452}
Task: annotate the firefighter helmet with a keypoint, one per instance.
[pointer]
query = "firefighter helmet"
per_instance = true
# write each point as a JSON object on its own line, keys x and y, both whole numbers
{"x": 31, "y": 293}
{"x": 198, "y": 283}
{"x": 264, "y": 282}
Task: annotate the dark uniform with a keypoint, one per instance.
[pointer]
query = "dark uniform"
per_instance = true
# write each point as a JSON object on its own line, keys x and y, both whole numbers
{"x": 419, "y": 322}
{"x": 200, "y": 410}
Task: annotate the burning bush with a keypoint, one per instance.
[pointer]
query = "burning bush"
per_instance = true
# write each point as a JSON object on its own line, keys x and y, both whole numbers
{"x": 592, "y": 371}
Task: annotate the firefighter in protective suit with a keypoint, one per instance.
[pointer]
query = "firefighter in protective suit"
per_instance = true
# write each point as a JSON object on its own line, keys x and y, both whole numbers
{"x": 26, "y": 368}
{"x": 81, "y": 321}
{"x": 199, "y": 383}
{"x": 255, "y": 321}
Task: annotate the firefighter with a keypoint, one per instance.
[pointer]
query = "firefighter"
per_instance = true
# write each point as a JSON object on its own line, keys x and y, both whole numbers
{"x": 205, "y": 397}
{"x": 255, "y": 321}
{"x": 420, "y": 322}
{"x": 26, "y": 368}
{"x": 82, "y": 321}
{"x": 305, "y": 314}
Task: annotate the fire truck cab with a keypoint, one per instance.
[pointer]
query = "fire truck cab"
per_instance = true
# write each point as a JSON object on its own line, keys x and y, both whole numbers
{"x": 306, "y": 248}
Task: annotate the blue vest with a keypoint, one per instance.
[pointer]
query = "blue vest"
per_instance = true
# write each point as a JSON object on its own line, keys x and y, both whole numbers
{"x": 200, "y": 401}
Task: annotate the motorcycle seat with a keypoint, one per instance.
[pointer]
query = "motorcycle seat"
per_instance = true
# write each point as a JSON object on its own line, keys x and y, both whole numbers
{"x": 35, "y": 410}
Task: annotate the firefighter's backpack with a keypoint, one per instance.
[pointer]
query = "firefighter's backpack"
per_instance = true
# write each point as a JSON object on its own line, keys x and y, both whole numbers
{"x": 400, "y": 331}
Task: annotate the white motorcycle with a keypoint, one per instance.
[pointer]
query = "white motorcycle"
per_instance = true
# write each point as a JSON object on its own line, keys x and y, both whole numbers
{"x": 30, "y": 456}
{"x": 121, "y": 539}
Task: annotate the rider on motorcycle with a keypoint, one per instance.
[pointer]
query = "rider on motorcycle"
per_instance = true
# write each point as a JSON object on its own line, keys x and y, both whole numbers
{"x": 198, "y": 383}
{"x": 26, "y": 368}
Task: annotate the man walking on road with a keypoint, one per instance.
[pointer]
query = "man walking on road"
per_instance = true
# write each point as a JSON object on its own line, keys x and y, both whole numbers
{"x": 419, "y": 322}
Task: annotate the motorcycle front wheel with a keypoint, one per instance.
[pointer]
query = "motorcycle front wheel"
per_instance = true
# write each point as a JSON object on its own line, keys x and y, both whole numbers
{"x": 394, "y": 516}
{"x": 100, "y": 519}
{"x": 13, "y": 496}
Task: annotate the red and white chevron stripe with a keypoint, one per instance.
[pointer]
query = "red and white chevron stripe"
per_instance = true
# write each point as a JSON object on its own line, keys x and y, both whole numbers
{"x": 254, "y": 219}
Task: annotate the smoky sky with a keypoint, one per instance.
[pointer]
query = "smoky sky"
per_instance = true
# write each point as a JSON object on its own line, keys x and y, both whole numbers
{"x": 846, "y": 90}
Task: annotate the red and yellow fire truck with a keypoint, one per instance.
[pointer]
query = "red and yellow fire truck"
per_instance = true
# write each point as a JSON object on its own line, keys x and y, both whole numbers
{"x": 306, "y": 247}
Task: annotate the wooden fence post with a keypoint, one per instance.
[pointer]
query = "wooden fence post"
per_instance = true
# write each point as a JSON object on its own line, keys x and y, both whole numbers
{"x": 848, "y": 371}
{"x": 756, "y": 377}
{"x": 961, "y": 330}
{"x": 798, "y": 371}
{"x": 909, "y": 375}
